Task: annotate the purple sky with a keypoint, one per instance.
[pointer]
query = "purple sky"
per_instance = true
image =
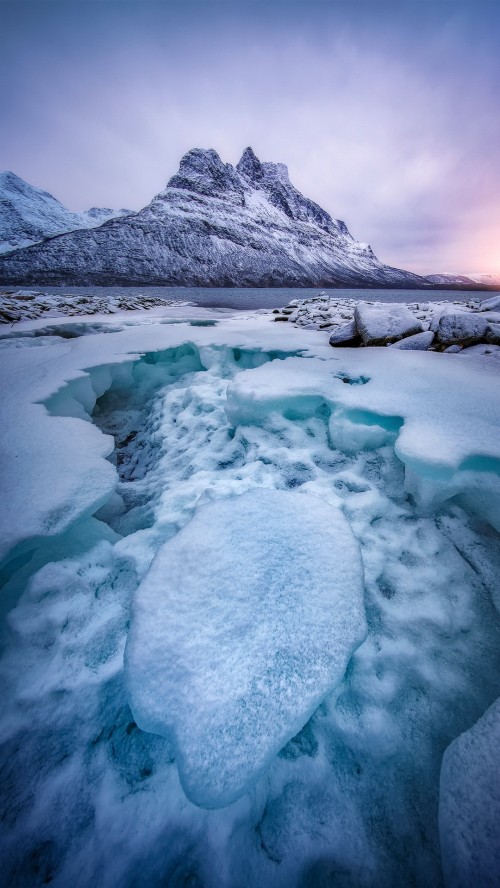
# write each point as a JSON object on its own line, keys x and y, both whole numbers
{"x": 386, "y": 113}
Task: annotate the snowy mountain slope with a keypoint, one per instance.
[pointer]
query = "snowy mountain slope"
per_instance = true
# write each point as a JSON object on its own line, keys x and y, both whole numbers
{"x": 28, "y": 215}
{"x": 213, "y": 225}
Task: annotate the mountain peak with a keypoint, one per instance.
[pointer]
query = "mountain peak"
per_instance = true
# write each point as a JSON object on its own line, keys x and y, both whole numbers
{"x": 250, "y": 166}
{"x": 202, "y": 171}
{"x": 8, "y": 176}
{"x": 200, "y": 159}
{"x": 10, "y": 182}
{"x": 213, "y": 225}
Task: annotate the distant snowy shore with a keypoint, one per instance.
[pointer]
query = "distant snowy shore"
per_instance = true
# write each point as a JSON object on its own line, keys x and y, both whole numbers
{"x": 447, "y": 325}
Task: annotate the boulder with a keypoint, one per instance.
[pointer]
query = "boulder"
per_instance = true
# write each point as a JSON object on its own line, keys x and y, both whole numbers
{"x": 491, "y": 304}
{"x": 463, "y": 327}
{"x": 418, "y": 342}
{"x": 383, "y": 323}
{"x": 346, "y": 336}
{"x": 493, "y": 334}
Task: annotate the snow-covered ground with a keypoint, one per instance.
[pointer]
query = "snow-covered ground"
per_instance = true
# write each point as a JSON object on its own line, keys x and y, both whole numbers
{"x": 200, "y": 508}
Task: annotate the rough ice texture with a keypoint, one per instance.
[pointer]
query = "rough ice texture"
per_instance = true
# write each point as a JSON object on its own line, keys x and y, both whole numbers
{"x": 469, "y": 805}
{"x": 461, "y": 327}
{"x": 382, "y": 323}
{"x": 443, "y": 415}
{"x": 28, "y": 215}
{"x": 213, "y": 225}
{"x": 417, "y": 342}
{"x": 56, "y": 462}
{"x": 245, "y": 621}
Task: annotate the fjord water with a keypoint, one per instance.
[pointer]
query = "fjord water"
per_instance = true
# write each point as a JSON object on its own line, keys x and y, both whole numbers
{"x": 265, "y": 297}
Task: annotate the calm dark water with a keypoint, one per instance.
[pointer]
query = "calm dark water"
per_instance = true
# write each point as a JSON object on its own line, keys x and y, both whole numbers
{"x": 272, "y": 297}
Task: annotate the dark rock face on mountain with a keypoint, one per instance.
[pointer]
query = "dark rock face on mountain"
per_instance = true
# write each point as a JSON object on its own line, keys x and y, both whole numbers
{"x": 29, "y": 215}
{"x": 213, "y": 225}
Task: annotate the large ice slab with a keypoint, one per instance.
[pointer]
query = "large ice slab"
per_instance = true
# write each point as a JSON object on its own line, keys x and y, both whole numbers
{"x": 469, "y": 805}
{"x": 245, "y": 621}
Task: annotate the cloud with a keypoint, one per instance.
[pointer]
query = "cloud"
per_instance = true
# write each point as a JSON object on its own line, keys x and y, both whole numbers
{"x": 386, "y": 113}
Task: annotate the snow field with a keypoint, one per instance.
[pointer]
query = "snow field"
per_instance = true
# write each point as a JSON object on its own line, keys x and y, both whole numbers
{"x": 353, "y": 798}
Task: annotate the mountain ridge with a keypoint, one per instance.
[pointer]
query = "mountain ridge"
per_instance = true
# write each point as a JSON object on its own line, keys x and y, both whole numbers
{"x": 29, "y": 215}
{"x": 212, "y": 225}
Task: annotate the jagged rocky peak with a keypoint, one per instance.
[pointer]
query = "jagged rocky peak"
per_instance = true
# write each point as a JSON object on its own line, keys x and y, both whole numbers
{"x": 203, "y": 172}
{"x": 251, "y": 167}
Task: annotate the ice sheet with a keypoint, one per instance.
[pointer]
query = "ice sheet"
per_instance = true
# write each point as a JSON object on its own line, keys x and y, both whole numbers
{"x": 89, "y": 798}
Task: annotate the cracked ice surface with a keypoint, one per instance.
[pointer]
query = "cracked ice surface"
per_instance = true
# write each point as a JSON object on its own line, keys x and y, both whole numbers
{"x": 405, "y": 453}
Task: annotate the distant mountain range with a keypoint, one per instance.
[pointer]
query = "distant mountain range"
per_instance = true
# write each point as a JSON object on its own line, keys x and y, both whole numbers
{"x": 29, "y": 215}
{"x": 213, "y": 225}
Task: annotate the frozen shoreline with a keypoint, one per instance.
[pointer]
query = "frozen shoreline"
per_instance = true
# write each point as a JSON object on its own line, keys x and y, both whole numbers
{"x": 117, "y": 431}
{"x": 30, "y": 303}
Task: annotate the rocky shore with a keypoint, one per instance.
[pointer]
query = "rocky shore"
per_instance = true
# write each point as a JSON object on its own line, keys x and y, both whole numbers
{"x": 471, "y": 327}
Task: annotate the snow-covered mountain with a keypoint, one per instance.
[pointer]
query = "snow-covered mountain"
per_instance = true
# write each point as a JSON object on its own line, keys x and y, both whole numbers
{"x": 487, "y": 280}
{"x": 213, "y": 225}
{"x": 29, "y": 215}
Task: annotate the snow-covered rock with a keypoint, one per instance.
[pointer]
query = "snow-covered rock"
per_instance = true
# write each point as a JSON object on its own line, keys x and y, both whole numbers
{"x": 346, "y": 336}
{"x": 493, "y": 334}
{"x": 469, "y": 805}
{"x": 491, "y": 304}
{"x": 382, "y": 323}
{"x": 213, "y": 225}
{"x": 29, "y": 215}
{"x": 243, "y": 624}
{"x": 417, "y": 342}
{"x": 465, "y": 328}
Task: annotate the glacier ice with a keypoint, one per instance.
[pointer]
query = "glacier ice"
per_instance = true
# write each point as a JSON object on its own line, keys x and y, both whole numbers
{"x": 244, "y": 622}
{"x": 201, "y": 415}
